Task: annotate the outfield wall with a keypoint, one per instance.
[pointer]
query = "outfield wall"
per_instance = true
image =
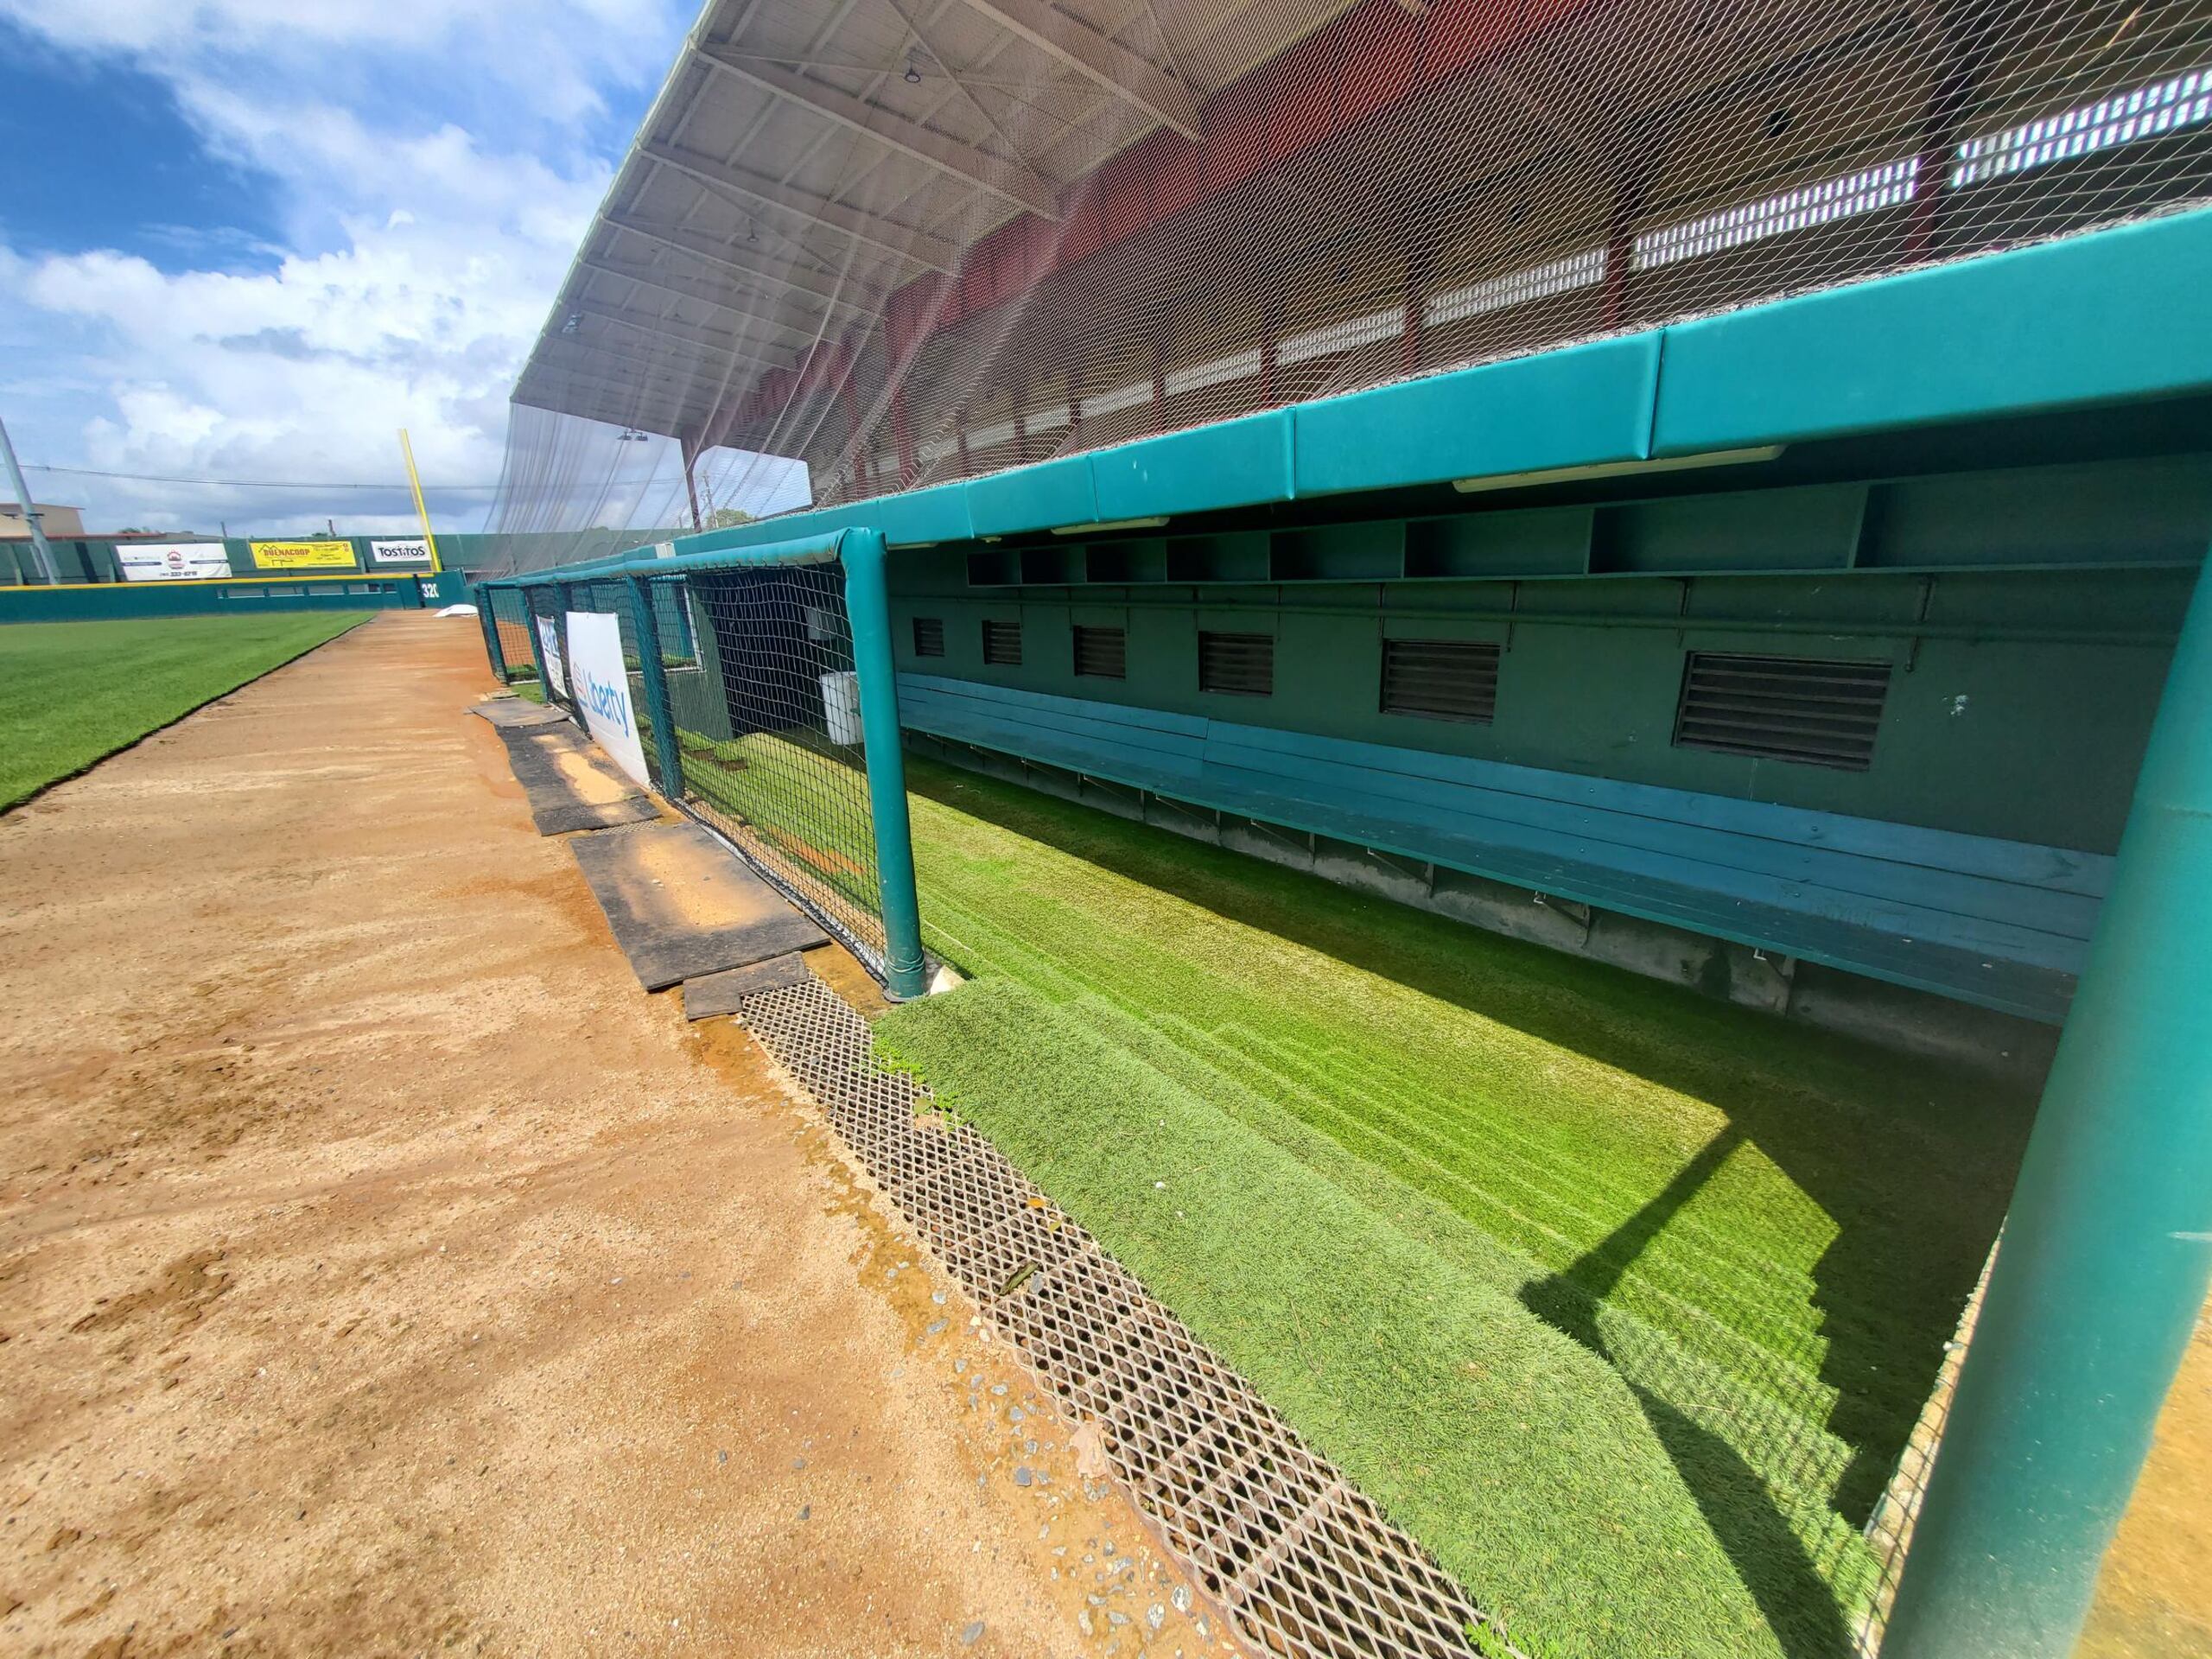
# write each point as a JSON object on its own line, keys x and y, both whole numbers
{"x": 93, "y": 560}
{"x": 248, "y": 596}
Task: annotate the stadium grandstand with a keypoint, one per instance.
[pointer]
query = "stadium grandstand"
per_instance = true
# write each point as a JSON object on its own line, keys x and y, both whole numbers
{"x": 926, "y": 241}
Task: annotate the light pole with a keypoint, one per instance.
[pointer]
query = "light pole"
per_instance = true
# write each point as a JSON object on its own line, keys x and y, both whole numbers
{"x": 39, "y": 550}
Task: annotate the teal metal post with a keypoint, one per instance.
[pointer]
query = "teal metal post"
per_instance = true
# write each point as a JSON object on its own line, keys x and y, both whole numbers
{"x": 655, "y": 674}
{"x": 867, "y": 607}
{"x": 484, "y": 620}
{"x": 2108, "y": 1247}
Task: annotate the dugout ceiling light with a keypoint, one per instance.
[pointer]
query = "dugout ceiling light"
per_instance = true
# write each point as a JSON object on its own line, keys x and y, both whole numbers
{"x": 913, "y": 75}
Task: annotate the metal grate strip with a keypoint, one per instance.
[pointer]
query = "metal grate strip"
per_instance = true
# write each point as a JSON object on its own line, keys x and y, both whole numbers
{"x": 1304, "y": 1565}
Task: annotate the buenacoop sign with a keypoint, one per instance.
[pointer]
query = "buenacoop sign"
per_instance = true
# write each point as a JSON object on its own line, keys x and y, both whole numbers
{"x": 603, "y": 689}
{"x": 172, "y": 561}
{"x": 303, "y": 555}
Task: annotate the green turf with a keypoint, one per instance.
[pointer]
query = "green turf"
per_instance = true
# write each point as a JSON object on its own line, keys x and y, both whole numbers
{"x": 1623, "y": 1301}
{"x": 73, "y": 692}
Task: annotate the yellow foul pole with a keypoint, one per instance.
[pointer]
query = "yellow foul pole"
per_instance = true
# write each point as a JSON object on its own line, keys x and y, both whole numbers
{"x": 415, "y": 483}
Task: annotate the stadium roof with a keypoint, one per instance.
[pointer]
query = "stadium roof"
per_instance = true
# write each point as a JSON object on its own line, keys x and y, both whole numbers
{"x": 803, "y": 162}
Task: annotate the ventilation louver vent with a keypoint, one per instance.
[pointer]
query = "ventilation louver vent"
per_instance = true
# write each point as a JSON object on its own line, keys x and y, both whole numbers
{"x": 1243, "y": 664}
{"x": 1102, "y": 653}
{"x": 1440, "y": 679}
{"x": 929, "y": 636}
{"x": 1002, "y": 644}
{"x": 1818, "y": 713}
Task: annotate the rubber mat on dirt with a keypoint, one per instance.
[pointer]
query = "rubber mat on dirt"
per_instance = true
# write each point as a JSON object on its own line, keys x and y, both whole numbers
{"x": 684, "y": 906}
{"x": 720, "y": 993}
{"x": 510, "y": 713}
{"x": 569, "y": 783}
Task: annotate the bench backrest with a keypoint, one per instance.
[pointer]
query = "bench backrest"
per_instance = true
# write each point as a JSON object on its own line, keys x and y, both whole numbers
{"x": 2012, "y": 900}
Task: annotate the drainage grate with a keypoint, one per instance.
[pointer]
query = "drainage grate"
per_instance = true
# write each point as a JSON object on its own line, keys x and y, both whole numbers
{"x": 1303, "y": 1564}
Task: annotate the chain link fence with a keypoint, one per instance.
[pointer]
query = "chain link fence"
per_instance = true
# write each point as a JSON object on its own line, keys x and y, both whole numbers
{"x": 777, "y": 760}
{"x": 747, "y": 687}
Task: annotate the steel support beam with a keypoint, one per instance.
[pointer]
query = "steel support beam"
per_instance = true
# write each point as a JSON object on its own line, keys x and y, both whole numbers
{"x": 705, "y": 339}
{"x": 686, "y": 368}
{"x": 864, "y": 299}
{"x": 1010, "y": 182}
{"x": 657, "y": 396}
{"x": 933, "y": 252}
{"x": 663, "y": 282}
{"x": 2107, "y": 1246}
{"x": 1134, "y": 79}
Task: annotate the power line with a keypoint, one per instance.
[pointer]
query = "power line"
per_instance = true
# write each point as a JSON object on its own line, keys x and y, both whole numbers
{"x": 239, "y": 483}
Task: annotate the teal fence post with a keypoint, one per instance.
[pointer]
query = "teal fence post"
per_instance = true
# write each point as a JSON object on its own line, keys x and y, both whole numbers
{"x": 867, "y": 608}
{"x": 2108, "y": 1247}
{"x": 655, "y": 674}
{"x": 493, "y": 653}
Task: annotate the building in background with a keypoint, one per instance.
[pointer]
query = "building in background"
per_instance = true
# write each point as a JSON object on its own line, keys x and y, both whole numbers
{"x": 54, "y": 521}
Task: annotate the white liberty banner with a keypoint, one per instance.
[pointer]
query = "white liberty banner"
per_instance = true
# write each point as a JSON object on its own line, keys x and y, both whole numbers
{"x": 603, "y": 689}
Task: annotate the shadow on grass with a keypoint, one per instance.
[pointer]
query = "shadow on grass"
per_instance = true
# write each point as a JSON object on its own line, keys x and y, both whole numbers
{"x": 1912, "y": 1223}
{"x": 1792, "y": 1594}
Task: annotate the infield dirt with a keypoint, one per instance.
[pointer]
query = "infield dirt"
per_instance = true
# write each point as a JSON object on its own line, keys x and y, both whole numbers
{"x": 382, "y": 1272}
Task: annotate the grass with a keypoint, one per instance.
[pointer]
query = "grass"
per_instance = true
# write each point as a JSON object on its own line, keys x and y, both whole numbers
{"x": 72, "y": 693}
{"x": 1622, "y": 1301}
{"x": 806, "y": 800}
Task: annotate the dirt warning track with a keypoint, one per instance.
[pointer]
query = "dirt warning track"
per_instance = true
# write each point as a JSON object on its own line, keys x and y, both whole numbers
{"x": 381, "y": 1271}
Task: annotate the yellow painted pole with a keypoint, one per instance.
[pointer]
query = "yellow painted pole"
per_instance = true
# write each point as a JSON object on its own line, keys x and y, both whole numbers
{"x": 415, "y": 483}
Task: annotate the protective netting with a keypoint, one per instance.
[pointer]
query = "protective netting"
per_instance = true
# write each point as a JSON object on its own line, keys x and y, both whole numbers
{"x": 511, "y": 631}
{"x": 771, "y": 740}
{"x": 911, "y": 242}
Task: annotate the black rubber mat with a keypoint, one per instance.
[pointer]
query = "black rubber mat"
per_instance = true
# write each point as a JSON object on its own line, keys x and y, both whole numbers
{"x": 719, "y": 993}
{"x": 569, "y": 783}
{"x": 684, "y": 906}
{"x": 508, "y": 713}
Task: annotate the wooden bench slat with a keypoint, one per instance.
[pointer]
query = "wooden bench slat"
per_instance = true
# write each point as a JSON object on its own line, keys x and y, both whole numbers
{"x": 1997, "y": 923}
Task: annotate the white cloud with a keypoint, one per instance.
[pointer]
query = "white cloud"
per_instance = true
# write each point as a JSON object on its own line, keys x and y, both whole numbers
{"x": 435, "y": 185}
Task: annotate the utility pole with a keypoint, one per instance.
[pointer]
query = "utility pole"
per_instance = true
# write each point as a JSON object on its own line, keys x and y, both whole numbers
{"x": 39, "y": 551}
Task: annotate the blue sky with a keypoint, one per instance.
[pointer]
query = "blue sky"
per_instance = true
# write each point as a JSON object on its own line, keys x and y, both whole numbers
{"x": 248, "y": 240}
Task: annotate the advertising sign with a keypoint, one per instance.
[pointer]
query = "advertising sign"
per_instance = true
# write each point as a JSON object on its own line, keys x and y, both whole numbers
{"x": 412, "y": 549}
{"x": 303, "y": 555}
{"x": 549, "y": 646}
{"x": 172, "y": 561}
{"x": 603, "y": 689}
